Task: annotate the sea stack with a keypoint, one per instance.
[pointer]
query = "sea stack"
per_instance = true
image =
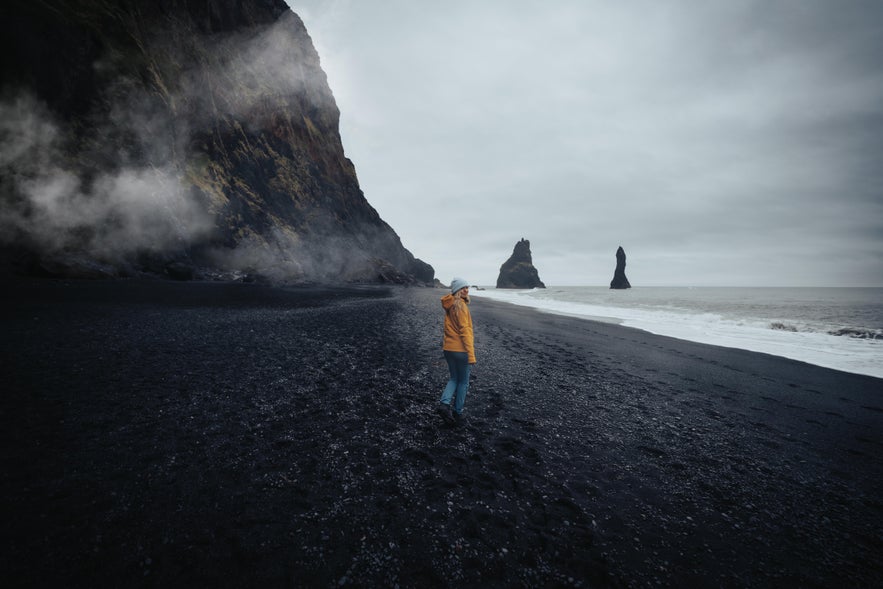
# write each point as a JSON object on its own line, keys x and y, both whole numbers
{"x": 619, "y": 280}
{"x": 518, "y": 271}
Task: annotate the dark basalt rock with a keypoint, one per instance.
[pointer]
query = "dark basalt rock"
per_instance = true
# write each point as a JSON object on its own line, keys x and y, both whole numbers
{"x": 180, "y": 271}
{"x": 619, "y": 280}
{"x": 202, "y": 133}
{"x": 518, "y": 271}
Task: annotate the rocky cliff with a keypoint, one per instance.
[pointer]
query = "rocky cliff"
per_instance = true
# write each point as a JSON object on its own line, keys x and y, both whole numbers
{"x": 518, "y": 271}
{"x": 619, "y": 280}
{"x": 180, "y": 137}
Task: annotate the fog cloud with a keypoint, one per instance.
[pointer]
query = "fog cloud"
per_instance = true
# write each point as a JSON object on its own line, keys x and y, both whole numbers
{"x": 241, "y": 75}
{"x": 49, "y": 203}
{"x": 124, "y": 185}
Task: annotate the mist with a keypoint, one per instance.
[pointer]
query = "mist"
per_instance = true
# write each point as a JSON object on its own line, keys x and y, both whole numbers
{"x": 123, "y": 180}
{"x": 49, "y": 202}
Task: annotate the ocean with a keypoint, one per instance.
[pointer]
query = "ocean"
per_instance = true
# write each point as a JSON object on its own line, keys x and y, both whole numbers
{"x": 840, "y": 328}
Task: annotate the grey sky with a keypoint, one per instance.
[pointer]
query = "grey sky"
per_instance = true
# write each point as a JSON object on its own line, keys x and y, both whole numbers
{"x": 720, "y": 143}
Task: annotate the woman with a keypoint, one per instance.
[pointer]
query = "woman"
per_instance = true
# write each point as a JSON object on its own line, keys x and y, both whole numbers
{"x": 459, "y": 348}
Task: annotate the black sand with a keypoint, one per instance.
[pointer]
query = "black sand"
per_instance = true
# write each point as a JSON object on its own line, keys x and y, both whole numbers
{"x": 164, "y": 434}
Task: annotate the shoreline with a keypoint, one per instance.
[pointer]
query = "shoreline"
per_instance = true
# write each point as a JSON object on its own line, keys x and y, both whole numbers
{"x": 177, "y": 433}
{"x": 840, "y": 351}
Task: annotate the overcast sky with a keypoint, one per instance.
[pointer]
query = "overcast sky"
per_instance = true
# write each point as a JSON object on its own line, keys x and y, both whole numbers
{"x": 719, "y": 143}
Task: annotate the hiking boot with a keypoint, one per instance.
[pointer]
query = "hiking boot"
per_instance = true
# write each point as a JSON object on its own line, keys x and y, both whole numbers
{"x": 458, "y": 418}
{"x": 444, "y": 411}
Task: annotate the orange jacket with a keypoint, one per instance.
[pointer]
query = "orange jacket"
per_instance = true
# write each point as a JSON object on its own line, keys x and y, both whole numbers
{"x": 458, "y": 326}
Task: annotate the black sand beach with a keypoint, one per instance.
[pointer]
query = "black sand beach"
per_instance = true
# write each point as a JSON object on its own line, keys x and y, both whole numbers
{"x": 193, "y": 434}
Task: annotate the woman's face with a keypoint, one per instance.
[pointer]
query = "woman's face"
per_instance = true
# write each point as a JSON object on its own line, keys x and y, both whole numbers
{"x": 464, "y": 292}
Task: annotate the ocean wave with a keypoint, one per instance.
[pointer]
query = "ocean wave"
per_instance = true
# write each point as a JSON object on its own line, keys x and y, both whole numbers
{"x": 858, "y": 333}
{"x": 812, "y": 340}
{"x": 854, "y": 332}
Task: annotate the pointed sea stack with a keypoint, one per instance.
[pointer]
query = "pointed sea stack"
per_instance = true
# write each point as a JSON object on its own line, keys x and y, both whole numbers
{"x": 619, "y": 280}
{"x": 518, "y": 271}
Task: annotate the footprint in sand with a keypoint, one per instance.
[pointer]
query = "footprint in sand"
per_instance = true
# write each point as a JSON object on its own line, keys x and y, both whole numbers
{"x": 419, "y": 455}
{"x": 526, "y": 424}
{"x": 652, "y": 451}
{"x": 865, "y": 440}
{"x": 508, "y": 444}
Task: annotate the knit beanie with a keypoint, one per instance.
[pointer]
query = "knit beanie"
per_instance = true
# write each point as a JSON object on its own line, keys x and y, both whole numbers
{"x": 457, "y": 284}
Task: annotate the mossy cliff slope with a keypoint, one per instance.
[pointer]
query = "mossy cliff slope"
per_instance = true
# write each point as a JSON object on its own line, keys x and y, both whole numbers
{"x": 188, "y": 137}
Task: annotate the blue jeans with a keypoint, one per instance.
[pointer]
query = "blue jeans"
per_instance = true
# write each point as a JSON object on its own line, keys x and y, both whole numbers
{"x": 458, "y": 364}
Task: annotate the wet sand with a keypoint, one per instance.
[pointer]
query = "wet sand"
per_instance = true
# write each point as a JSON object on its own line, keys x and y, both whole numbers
{"x": 189, "y": 434}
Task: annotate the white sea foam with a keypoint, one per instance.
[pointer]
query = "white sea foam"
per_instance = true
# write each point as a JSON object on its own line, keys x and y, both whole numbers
{"x": 798, "y": 337}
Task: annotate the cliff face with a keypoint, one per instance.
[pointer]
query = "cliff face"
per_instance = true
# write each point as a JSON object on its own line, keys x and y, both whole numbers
{"x": 180, "y": 137}
{"x": 518, "y": 271}
{"x": 619, "y": 280}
